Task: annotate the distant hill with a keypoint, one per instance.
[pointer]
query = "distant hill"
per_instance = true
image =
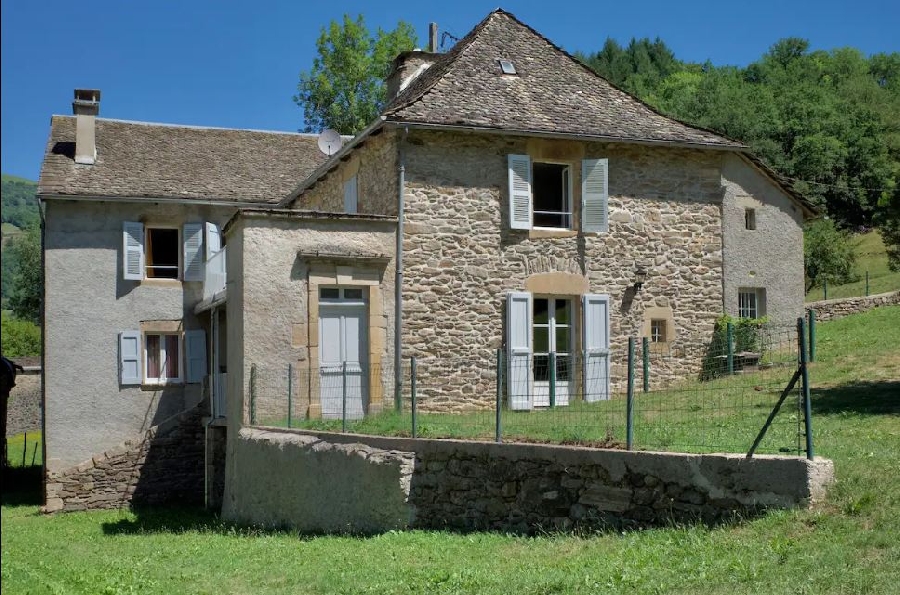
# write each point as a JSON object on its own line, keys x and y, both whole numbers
{"x": 19, "y": 205}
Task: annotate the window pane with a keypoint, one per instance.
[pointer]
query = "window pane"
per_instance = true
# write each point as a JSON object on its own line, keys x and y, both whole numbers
{"x": 353, "y": 294}
{"x": 541, "y": 308}
{"x": 329, "y": 293}
{"x": 152, "y": 356}
{"x": 541, "y": 339}
{"x": 562, "y": 339}
{"x": 172, "y": 356}
{"x": 563, "y": 308}
{"x": 563, "y": 368}
{"x": 162, "y": 253}
{"x": 550, "y": 195}
{"x": 541, "y": 368}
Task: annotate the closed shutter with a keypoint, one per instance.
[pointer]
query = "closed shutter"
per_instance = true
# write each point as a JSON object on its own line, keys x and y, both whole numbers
{"x": 133, "y": 250}
{"x": 193, "y": 258}
{"x": 519, "y": 191}
{"x": 596, "y": 346}
{"x": 350, "y": 195}
{"x": 213, "y": 239}
{"x": 129, "y": 358}
{"x": 595, "y": 195}
{"x": 518, "y": 350}
{"x": 195, "y": 348}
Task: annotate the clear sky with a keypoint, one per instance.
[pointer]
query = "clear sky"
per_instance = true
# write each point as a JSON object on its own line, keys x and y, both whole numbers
{"x": 235, "y": 64}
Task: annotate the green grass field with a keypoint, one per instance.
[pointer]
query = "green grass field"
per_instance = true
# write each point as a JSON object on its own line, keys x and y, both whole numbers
{"x": 850, "y": 544}
{"x": 871, "y": 257}
{"x": 25, "y": 448}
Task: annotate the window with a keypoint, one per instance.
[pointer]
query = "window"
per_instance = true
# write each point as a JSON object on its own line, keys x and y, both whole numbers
{"x": 751, "y": 302}
{"x": 658, "y": 330}
{"x": 162, "y": 250}
{"x": 750, "y": 219}
{"x": 552, "y": 326}
{"x": 551, "y": 195}
{"x": 162, "y": 358}
{"x": 507, "y": 67}
{"x": 341, "y": 293}
{"x": 351, "y": 195}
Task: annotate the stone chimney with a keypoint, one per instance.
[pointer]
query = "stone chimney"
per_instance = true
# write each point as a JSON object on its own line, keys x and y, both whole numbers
{"x": 86, "y": 106}
{"x": 409, "y": 65}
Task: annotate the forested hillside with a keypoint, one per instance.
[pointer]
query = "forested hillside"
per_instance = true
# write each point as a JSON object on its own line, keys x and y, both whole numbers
{"x": 19, "y": 206}
{"x": 828, "y": 120}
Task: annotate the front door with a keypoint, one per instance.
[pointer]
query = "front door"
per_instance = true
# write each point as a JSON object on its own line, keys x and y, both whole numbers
{"x": 552, "y": 325}
{"x": 343, "y": 351}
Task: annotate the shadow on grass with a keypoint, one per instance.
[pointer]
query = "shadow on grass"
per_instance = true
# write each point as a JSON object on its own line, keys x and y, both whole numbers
{"x": 867, "y": 398}
{"x": 168, "y": 519}
{"x": 23, "y": 486}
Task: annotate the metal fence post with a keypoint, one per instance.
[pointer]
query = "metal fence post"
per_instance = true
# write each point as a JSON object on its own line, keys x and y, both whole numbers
{"x": 344, "y": 396}
{"x": 290, "y": 388}
{"x": 253, "y": 394}
{"x": 498, "y": 431}
{"x": 412, "y": 388}
{"x": 812, "y": 335}
{"x": 825, "y": 289}
{"x": 804, "y": 387}
{"x": 867, "y": 282}
{"x": 729, "y": 339}
{"x": 645, "y": 355}
{"x": 552, "y": 379}
{"x": 629, "y": 405}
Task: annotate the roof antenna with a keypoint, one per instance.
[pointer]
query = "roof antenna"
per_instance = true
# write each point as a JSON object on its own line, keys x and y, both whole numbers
{"x": 444, "y": 36}
{"x": 330, "y": 141}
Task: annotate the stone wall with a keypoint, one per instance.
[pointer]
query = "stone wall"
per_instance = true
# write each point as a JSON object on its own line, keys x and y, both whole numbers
{"x": 163, "y": 465}
{"x": 329, "y": 482}
{"x": 840, "y": 307}
{"x": 24, "y": 408}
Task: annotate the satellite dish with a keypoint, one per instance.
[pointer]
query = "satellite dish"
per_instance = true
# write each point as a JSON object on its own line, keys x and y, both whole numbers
{"x": 330, "y": 141}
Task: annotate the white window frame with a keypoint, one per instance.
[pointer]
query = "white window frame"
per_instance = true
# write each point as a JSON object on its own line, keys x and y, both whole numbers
{"x": 568, "y": 198}
{"x": 751, "y": 302}
{"x": 551, "y": 325}
{"x": 163, "y": 380}
{"x": 658, "y": 330}
{"x": 179, "y": 249}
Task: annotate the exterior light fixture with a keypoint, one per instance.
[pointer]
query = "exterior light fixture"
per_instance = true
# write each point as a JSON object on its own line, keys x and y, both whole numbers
{"x": 640, "y": 275}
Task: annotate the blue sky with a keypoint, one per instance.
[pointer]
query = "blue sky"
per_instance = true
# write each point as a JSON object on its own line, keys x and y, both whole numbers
{"x": 235, "y": 64}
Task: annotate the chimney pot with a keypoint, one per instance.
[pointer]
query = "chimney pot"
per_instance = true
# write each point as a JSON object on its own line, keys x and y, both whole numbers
{"x": 86, "y": 106}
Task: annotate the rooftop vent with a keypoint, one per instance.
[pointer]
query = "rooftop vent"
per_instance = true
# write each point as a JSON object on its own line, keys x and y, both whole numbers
{"x": 507, "y": 67}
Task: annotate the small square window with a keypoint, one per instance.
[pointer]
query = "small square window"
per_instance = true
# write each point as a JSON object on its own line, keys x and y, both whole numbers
{"x": 507, "y": 67}
{"x": 162, "y": 253}
{"x": 750, "y": 219}
{"x": 658, "y": 330}
{"x": 751, "y": 302}
{"x": 162, "y": 358}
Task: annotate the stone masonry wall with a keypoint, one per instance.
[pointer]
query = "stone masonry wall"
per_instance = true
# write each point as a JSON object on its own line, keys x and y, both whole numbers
{"x": 328, "y": 482}
{"x": 164, "y": 465}
{"x": 24, "y": 409}
{"x": 461, "y": 258}
{"x": 838, "y": 308}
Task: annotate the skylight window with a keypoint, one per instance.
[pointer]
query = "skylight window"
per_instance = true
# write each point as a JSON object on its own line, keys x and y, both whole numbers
{"x": 507, "y": 67}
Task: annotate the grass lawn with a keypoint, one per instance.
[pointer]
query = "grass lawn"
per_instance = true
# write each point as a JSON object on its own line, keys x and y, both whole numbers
{"x": 870, "y": 256}
{"x": 25, "y": 448}
{"x": 850, "y": 544}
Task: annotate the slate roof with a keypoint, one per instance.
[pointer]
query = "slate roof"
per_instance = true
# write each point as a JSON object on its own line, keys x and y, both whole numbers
{"x": 552, "y": 93}
{"x": 136, "y": 159}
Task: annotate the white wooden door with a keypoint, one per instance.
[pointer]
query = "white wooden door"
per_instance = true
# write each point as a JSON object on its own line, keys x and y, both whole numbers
{"x": 343, "y": 350}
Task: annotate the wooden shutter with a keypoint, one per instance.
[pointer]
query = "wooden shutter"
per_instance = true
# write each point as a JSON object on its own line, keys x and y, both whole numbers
{"x": 213, "y": 239}
{"x": 351, "y": 197}
{"x": 195, "y": 349}
{"x": 133, "y": 250}
{"x": 520, "y": 214}
{"x": 595, "y": 195}
{"x": 595, "y": 331}
{"x": 193, "y": 259}
{"x": 518, "y": 350}
{"x": 129, "y": 358}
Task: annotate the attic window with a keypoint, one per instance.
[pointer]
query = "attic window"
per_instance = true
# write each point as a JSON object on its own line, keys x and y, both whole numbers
{"x": 507, "y": 67}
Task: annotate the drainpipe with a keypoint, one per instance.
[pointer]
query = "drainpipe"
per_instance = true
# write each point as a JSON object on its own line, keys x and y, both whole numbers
{"x": 42, "y": 205}
{"x": 398, "y": 277}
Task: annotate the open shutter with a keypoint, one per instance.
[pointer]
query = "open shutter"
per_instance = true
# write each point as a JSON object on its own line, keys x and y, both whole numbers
{"x": 213, "y": 239}
{"x": 518, "y": 350}
{"x": 195, "y": 347}
{"x": 595, "y": 195}
{"x": 595, "y": 309}
{"x": 519, "y": 191}
{"x": 193, "y": 258}
{"x": 133, "y": 250}
{"x": 351, "y": 196}
{"x": 129, "y": 358}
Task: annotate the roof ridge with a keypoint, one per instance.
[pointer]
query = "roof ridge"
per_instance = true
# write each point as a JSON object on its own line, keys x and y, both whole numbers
{"x": 195, "y": 126}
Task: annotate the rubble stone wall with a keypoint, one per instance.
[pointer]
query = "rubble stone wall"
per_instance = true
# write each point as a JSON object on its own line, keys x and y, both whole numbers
{"x": 838, "y": 308}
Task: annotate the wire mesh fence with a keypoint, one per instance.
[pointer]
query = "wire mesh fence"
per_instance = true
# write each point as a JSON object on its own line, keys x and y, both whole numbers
{"x": 703, "y": 398}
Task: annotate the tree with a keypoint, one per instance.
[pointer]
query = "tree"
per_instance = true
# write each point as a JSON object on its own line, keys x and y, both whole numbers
{"x": 345, "y": 87}
{"x": 827, "y": 254}
{"x": 27, "y": 278}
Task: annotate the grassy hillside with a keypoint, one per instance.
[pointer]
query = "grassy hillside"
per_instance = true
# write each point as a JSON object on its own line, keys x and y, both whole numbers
{"x": 19, "y": 205}
{"x": 871, "y": 256}
{"x": 848, "y": 544}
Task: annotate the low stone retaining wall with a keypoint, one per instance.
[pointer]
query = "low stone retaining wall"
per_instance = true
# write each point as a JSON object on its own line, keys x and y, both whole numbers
{"x": 23, "y": 412}
{"x": 331, "y": 482}
{"x": 838, "y": 308}
{"x": 165, "y": 465}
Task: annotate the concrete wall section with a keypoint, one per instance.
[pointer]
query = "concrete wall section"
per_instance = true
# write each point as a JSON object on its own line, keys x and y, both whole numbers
{"x": 87, "y": 304}
{"x": 768, "y": 257}
{"x": 328, "y": 482}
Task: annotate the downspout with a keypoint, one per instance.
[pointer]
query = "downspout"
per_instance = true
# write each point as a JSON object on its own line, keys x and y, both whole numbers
{"x": 398, "y": 276}
{"x": 42, "y": 205}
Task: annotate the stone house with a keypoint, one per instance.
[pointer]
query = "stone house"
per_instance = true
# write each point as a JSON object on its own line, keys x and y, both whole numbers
{"x": 507, "y": 198}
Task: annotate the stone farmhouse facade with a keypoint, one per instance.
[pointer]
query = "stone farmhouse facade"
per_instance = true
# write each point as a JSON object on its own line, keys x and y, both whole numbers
{"x": 507, "y": 198}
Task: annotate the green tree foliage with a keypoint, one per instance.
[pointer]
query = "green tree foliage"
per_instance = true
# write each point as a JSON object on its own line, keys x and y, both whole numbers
{"x": 19, "y": 206}
{"x": 21, "y": 338}
{"x": 828, "y": 254}
{"x": 27, "y": 279}
{"x": 345, "y": 87}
